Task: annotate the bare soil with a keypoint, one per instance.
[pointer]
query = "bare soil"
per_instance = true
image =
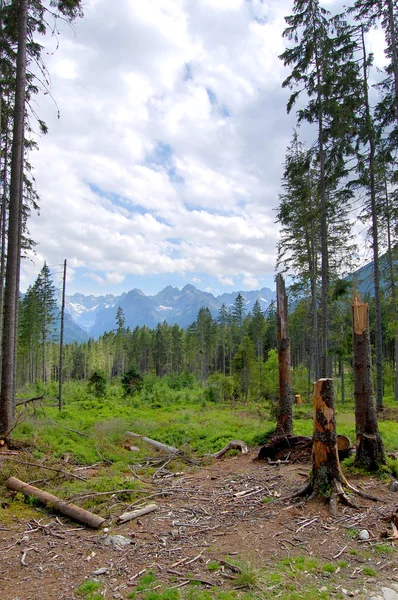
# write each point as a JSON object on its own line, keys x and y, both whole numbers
{"x": 214, "y": 513}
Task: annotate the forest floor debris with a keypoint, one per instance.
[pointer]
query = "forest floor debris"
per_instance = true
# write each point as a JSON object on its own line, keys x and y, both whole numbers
{"x": 221, "y": 527}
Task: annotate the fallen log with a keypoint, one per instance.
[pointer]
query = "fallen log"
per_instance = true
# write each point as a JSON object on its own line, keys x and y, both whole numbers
{"x": 70, "y": 510}
{"x": 154, "y": 443}
{"x": 232, "y": 445}
{"x": 129, "y": 516}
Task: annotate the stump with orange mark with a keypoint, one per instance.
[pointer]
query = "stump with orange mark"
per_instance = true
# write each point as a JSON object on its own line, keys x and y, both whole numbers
{"x": 327, "y": 479}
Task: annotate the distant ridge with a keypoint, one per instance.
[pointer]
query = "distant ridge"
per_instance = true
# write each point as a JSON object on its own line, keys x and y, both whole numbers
{"x": 91, "y": 316}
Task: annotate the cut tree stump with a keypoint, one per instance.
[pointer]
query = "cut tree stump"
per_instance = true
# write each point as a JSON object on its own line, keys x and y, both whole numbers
{"x": 327, "y": 479}
{"x": 70, "y": 510}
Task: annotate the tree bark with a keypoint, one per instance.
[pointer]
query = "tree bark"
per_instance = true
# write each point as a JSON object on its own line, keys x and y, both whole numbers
{"x": 325, "y": 459}
{"x": 370, "y": 450}
{"x": 285, "y": 412}
{"x": 7, "y": 398}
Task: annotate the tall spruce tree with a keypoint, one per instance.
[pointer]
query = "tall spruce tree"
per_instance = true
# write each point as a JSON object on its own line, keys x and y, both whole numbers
{"x": 317, "y": 59}
{"x": 47, "y": 304}
{"x": 29, "y": 17}
{"x": 299, "y": 248}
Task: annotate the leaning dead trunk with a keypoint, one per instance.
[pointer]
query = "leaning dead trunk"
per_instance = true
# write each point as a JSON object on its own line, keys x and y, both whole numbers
{"x": 285, "y": 415}
{"x": 369, "y": 446}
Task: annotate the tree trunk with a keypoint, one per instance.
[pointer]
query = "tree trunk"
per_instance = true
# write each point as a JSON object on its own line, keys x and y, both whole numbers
{"x": 70, "y": 510}
{"x": 325, "y": 459}
{"x": 370, "y": 451}
{"x": 393, "y": 43}
{"x": 342, "y": 381}
{"x": 7, "y": 399}
{"x": 3, "y": 233}
{"x": 393, "y": 292}
{"x": 327, "y": 479}
{"x": 61, "y": 341}
{"x": 324, "y": 232}
{"x": 375, "y": 233}
{"x": 285, "y": 412}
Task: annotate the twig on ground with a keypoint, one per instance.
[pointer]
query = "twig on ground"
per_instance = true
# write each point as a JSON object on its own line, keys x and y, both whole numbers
{"x": 341, "y": 552}
{"x": 68, "y": 428}
{"x": 40, "y": 466}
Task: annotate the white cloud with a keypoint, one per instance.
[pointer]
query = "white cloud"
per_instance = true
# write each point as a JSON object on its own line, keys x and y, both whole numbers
{"x": 167, "y": 156}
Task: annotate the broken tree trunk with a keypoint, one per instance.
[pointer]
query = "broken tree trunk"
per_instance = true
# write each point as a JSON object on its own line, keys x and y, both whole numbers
{"x": 70, "y": 510}
{"x": 369, "y": 446}
{"x": 284, "y": 424}
{"x": 154, "y": 443}
{"x": 327, "y": 479}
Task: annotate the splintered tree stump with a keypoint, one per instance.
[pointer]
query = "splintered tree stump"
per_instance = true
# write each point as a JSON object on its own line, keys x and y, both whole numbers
{"x": 327, "y": 479}
{"x": 369, "y": 446}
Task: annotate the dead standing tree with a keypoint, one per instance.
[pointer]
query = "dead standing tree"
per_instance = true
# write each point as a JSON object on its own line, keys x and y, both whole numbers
{"x": 284, "y": 424}
{"x": 369, "y": 445}
{"x": 327, "y": 479}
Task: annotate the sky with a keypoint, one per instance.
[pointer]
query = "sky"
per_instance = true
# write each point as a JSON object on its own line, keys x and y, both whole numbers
{"x": 167, "y": 135}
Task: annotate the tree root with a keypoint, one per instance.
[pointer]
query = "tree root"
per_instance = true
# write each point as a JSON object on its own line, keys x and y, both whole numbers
{"x": 310, "y": 491}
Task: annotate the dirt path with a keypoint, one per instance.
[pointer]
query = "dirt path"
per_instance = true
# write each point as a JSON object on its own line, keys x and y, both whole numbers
{"x": 208, "y": 518}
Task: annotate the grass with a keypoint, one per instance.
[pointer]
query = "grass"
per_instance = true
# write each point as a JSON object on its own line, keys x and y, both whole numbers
{"x": 384, "y": 549}
{"x": 181, "y": 418}
{"x": 88, "y": 590}
{"x": 295, "y": 578}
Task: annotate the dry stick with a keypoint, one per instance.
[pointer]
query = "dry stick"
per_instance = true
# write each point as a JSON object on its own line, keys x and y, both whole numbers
{"x": 70, "y": 510}
{"x": 67, "y": 428}
{"x": 39, "y": 466}
{"x": 340, "y": 553}
{"x": 129, "y": 516}
{"x": 194, "y": 559}
{"x": 93, "y": 494}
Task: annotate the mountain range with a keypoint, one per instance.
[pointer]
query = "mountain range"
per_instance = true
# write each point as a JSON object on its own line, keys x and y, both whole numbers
{"x": 91, "y": 316}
